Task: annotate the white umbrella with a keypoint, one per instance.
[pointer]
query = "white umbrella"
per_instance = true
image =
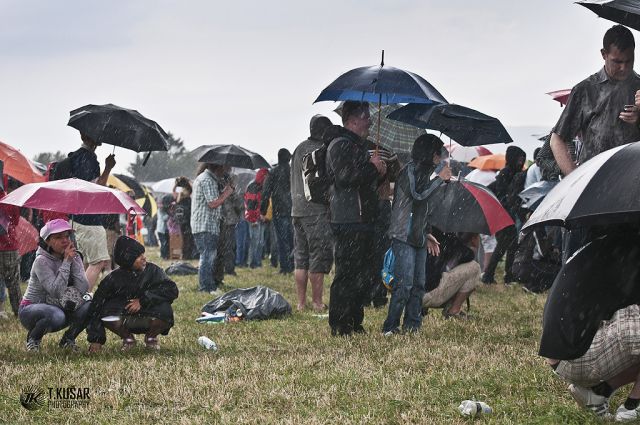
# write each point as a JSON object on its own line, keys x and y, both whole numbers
{"x": 164, "y": 186}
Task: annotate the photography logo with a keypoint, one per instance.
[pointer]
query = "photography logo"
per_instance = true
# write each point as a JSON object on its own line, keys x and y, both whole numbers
{"x": 32, "y": 398}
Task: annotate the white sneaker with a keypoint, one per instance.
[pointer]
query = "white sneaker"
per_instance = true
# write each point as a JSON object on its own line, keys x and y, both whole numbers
{"x": 624, "y": 415}
{"x": 216, "y": 293}
{"x": 586, "y": 398}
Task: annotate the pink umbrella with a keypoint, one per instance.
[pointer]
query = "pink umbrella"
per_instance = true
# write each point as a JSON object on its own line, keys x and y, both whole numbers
{"x": 27, "y": 236}
{"x": 72, "y": 196}
{"x": 561, "y": 96}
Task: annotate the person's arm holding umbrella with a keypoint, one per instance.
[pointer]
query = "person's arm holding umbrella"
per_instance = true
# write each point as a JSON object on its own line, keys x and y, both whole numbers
{"x": 109, "y": 163}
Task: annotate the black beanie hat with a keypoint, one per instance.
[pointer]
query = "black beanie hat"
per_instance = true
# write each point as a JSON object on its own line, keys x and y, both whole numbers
{"x": 284, "y": 156}
{"x": 425, "y": 146}
{"x": 126, "y": 250}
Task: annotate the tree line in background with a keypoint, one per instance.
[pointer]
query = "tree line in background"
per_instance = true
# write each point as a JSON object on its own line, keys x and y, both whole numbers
{"x": 177, "y": 161}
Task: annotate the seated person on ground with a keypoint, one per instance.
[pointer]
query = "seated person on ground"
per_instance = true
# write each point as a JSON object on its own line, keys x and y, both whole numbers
{"x": 538, "y": 259}
{"x": 454, "y": 275}
{"x": 134, "y": 299}
{"x": 54, "y": 296}
{"x": 591, "y": 323}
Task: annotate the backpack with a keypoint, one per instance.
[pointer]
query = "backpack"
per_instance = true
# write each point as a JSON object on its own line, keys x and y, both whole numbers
{"x": 62, "y": 169}
{"x": 388, "y": 277}
{"x": 316, "y": 180}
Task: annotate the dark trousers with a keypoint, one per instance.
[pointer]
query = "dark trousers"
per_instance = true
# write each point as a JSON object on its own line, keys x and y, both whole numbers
{"x": 507, "y": 242}
{"x": 163, "y": 238}
{"x": 242, "y": 243}
{"x": 353, "y": 259}
{"x": 284, "y": 234}
{"x": 225, "y": 259}
{"x": 382, "y": 243}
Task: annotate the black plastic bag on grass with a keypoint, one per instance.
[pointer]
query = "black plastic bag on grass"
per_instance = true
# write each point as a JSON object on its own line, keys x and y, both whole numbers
{"x": 256, "y": 303}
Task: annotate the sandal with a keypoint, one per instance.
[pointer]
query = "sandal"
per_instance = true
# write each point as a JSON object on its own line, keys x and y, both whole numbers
{"x": 128, "y": 343}
{"x": 152, "y": 343}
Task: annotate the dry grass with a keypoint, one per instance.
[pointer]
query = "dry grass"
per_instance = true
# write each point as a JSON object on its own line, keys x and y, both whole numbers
{"x": 293, "y": 372}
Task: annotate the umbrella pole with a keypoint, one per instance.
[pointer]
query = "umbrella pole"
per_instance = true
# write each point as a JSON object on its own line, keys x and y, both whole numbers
{"x": 379, "y": 117}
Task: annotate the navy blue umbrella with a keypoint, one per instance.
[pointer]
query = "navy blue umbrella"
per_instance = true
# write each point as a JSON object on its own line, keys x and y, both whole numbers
{"x": 381, "y": 84}
{"x": 466, "y": 126}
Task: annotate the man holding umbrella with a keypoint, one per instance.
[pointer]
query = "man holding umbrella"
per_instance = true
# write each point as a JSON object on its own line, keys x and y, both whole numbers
{"x": 91, "y": 236}
{"x": 353, "y": 207}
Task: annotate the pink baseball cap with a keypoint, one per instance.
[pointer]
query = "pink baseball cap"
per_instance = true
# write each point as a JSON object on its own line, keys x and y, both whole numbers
{"x": 57, "y": 225}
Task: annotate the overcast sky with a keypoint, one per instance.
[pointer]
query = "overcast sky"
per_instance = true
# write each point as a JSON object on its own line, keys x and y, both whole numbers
{"x": 247, "y": 72}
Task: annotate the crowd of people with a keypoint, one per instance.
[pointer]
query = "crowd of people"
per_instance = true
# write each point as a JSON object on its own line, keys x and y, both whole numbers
{"x": 377, "y": 218}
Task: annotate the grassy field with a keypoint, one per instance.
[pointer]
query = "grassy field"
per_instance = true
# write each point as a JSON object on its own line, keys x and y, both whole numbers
{"x": 292, "y": 371}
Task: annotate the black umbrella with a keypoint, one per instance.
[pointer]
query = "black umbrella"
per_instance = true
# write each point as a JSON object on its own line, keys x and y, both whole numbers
{"x": 119, "y": 126}
{"x": 138, "y": 190}
{"x": 466, "y": 126}
{"x": 233, "y": 155}
{"x": 603, "y": 190}
{"x": 625, "y": 12}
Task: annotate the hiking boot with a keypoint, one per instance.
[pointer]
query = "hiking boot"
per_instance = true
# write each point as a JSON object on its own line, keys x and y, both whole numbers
{"x": 623, "y": 414}
{"x": 128, "y": 343}
{"x": 586, "y": 398}
{"x": 152, "y": 343}
{"x": 68, "y": 344}
{"x": 33, "y": 345}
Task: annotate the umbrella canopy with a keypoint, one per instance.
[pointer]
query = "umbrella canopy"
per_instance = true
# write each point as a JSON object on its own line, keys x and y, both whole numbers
{"x": 116, "y": 183}
{"x": 466, "y": 126}
{"x": 233, "y": 155}
{"x": 164, "y": 185}
{"x": 495, "y": 161}
{"x": 463, "y": 206}
{"x": 243, "y": 177}
{"x": 603, "y": 190}
{"x": 483, "y": 177}
{"x": 138, "y": 190}
{"x": 465, "y": 153}
{"x": 19, "y": 166}
{"x": 625, "y": 12}
{"x": 534, "y": 194}
{"x": 72, "y": 196}
{"x": 27, "y": 237}
{"x": 141, "y": 194}
{"x": 119, "y": 126}
{"x": 381, "y": 84}
{"x": 395, "y": 136}
{"x": 561, "y": 96}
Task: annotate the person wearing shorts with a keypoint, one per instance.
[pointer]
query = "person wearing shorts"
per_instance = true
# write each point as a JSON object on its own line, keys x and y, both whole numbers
{"x": 591, "y": 322}
{"x": 312, "y": 237}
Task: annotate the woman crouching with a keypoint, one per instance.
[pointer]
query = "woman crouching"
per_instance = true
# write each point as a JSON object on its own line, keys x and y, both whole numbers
{"x": 134, "y": 299}
{"x": 54, "y": 296}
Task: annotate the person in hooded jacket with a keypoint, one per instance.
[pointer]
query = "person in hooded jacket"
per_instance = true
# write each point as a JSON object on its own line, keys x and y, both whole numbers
{"x": 353, "y": 205}
{"x": 411, "y": 233}
{"x": 277, "y": 188}
{"x": 509, "y": 182}
{"x": 135, "y": 298}
{"x": 57, "y": 266}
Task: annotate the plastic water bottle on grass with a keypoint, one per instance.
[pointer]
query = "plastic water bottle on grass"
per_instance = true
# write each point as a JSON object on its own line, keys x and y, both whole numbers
{"x": 207, "y": 343}
{"x": 473, "y": 408}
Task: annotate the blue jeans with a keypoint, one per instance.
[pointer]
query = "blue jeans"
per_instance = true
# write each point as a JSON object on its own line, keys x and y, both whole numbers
{"x": 410, "y": 273}
{"x": 256, "y": 244}
{"x": 163, "y": 238}
{"x": 242, "y": 243}
{"x": 284, "y": 232}
{"x": 207, "y": 243}
{"x": 40, "y": 319}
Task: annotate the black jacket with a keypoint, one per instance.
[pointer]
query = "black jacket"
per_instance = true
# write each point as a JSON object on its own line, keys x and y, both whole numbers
{"x": 277, "y": 186}
{"x": 452, "y": 253}
{"x": 152, "y": 287}
{"x": 352, "y": 195}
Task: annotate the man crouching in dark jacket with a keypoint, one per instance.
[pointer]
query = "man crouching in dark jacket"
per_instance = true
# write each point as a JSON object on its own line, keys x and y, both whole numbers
{"x": 353, "y": 206}
{"x": 136, "y": 298}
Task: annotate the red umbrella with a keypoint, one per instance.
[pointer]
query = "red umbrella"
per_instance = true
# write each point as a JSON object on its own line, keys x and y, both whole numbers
{"x": 561, "y": 96}
{"x": 73, "y": 196}
{"x": 27, "y": 236}
{"x": 463, "y": 206}
{"x": 19, "y": 166}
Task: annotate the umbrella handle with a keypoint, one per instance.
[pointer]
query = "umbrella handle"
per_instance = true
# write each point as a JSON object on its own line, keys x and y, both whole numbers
{"x": 146, "y": 159}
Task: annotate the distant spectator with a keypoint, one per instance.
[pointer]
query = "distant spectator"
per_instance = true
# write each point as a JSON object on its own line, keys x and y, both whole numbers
{"x": 232, "y": 209}
{"x": 252, "y": 201}
{"x": 534, "y": 174}
{"x": 9, "y": 259}
{"x": 164, "y": 207}
{"x": 182, "y": 216}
